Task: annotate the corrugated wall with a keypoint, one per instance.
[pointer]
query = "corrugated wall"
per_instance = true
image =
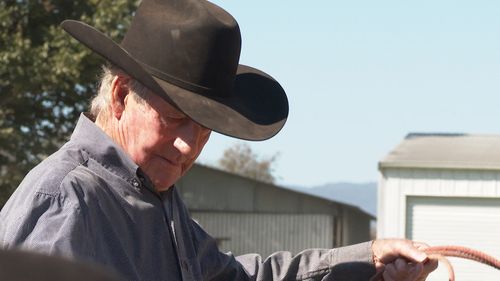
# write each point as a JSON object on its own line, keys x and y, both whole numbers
{"x": 470, "y": 222}
{"x": 355, "y": 228}
{"x": 443, "y": 207}
{"x": 397, "y": 184}
{"x": 208, "y": 189}
{"x": 243, "y": 233}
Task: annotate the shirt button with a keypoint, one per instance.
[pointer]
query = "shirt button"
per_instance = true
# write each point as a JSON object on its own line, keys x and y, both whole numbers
{"x": 135, "y": 183}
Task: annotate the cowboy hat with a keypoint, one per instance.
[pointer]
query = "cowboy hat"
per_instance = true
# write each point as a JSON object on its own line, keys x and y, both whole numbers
{"x": 187, "y": 52}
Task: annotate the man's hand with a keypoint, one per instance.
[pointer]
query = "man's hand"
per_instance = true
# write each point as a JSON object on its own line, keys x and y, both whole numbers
{"x": 400, "y": 259}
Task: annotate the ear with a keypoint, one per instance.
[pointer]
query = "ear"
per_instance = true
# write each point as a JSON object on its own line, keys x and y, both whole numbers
{"x": 119, "y": 93}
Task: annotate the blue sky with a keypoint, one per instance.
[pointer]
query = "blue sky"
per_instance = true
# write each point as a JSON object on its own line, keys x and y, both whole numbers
{"x": 360, "y": 75}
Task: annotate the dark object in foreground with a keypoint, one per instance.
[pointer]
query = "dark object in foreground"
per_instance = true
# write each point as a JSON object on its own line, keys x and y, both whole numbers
{"x": 26, "y": 266}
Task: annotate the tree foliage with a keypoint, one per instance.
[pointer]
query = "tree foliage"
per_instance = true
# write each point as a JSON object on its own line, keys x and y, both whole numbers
{"x": 240, "y": 159}
{"x": 46, "y": 78}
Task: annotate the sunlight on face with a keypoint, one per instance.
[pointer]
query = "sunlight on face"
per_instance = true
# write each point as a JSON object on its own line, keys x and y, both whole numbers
{"x": 162, "y": 140}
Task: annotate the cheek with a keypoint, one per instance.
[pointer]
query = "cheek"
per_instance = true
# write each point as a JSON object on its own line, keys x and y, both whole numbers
{"x": 149, "y": 143}
{"x": 144, "y": 149}
{"x": 201, "y": 143}
{"x": 141, "y": 135}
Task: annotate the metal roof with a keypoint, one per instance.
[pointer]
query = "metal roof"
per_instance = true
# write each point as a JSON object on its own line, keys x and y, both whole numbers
{"x": 301, "y": 193}
{"x": 447, "y": 151}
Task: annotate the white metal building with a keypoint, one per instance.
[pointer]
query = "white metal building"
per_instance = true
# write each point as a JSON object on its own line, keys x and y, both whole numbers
{"x": 444, "y": 189}
{"x": 248, "y": 216}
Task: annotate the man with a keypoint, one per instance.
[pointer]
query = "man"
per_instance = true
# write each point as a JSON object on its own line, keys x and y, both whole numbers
{"x": 108, "y": 195}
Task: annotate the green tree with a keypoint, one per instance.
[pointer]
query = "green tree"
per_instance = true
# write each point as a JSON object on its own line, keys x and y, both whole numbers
{"x": 46, "y": 78}
{"x": 240, "y": 159}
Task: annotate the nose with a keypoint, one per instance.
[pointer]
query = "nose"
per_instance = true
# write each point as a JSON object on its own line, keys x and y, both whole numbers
{"x": 187, "y": 141}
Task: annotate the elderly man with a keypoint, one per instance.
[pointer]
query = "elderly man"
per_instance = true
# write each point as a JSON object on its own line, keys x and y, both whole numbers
{"x": 108, "y": 196}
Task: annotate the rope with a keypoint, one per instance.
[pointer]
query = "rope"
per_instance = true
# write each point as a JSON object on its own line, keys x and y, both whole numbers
{"x": 441, "y": 252}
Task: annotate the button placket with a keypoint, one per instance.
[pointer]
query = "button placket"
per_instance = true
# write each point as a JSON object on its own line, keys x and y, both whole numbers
{"x": 136, "y": 183}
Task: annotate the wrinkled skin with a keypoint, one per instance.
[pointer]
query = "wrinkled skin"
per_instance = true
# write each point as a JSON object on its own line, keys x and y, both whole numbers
{"x": 161, "y": 140}
{"x": 401, "y": 260}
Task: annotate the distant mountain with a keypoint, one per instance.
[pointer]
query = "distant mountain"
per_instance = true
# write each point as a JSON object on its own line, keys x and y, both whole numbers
{"x": 362, "y": 195}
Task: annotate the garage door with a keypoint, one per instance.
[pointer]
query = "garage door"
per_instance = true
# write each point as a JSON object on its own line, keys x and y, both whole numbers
{"x": 470, "y": 222}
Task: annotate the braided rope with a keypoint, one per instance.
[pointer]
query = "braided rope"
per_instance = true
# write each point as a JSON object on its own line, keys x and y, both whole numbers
{"x": 441, "y": 252}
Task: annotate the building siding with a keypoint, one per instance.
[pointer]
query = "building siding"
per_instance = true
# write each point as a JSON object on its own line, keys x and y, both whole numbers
{"x": 443, "y": 207}
{"x": 465, "y": 221}
{"x": 247, "y": 216}
{"x": 355, "y": 227}
{"x": 242, "y": 233}
{"x": 398, "y": 183}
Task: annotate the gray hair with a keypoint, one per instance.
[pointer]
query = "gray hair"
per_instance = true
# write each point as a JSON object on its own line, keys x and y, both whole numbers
{"x": 100, "y": 102}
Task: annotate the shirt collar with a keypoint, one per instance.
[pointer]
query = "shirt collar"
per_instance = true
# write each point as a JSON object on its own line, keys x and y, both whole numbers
{"x": 100, "y": 147}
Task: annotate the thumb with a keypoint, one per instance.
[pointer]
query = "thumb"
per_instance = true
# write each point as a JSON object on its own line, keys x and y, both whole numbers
{"x": 410, "y": 252}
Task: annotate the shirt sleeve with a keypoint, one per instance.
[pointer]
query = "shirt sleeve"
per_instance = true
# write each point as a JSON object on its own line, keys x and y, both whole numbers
{"x": 351, "y": 263}
{"x": 47, "y": 223}
{"x": 345, "y": 263}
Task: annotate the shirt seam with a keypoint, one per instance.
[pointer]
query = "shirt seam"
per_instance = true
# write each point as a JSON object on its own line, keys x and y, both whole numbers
{"x": 53, "y": 195}
{"x": 314, "y": 273}
{"x": 57, "y": 195}
{"x": 108, "y": 168}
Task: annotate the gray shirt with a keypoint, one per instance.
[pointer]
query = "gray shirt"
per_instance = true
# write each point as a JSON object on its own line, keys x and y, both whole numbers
{"x": 89, "y": 201}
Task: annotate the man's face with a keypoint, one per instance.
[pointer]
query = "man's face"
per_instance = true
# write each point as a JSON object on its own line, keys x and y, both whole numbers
{"x": 160, "y": 139}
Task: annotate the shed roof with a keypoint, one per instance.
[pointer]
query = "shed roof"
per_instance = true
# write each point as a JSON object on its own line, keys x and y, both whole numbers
{"x": 273, "y": 186}
{"x": 447, "y": 151}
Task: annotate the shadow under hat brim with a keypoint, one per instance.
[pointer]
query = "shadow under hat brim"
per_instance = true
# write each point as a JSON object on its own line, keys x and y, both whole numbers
{"x": 257, "y": 109}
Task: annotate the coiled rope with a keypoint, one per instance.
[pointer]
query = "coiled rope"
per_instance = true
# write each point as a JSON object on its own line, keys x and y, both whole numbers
{"x": 441, "y": 252}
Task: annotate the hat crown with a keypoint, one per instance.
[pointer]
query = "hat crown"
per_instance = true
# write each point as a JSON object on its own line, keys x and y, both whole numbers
{"x": 192, "y": 44}
{"x": 187, "y": 52}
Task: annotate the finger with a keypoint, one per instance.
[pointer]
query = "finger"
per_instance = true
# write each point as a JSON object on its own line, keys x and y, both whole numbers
{"x": 387, "y": 250}
{"x": 415, "y": 272}
{"x": 430, "y": 265}
{"x": 390, "y": 273}
{"x": 401, "y": 265}
{"x": 388, "y": 278}
{"x": 420, "y": 245}
{"x": 407, "y": 250}
{"x": 379, "y": 268}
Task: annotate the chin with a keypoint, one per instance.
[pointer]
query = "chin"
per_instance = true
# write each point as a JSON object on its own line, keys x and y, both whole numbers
{"x": 163, "y": 177}
{"x": 162, "y": 188}
{"x": 165, "y": 183}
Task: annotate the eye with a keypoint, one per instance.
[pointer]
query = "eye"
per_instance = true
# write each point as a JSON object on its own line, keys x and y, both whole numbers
{"x": 172, "y": 119}
{"x": 176, "y": 116}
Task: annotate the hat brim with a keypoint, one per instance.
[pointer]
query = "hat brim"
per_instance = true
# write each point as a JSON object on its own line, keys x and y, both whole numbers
{"x": 257, "y": 109}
